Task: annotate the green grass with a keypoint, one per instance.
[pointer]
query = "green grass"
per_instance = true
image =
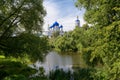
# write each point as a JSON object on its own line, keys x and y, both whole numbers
{"x": 2, "y": 56}
{"x": 14, "y": 68}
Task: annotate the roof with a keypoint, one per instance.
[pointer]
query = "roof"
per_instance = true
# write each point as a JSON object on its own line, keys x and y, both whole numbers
{"x": 61, "y": 26}
{"x": 56, "y": 24}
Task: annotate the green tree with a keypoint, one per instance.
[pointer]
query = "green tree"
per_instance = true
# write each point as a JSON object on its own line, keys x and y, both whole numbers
{"x": 100, "y": 12}
{"x": 85, "y": 26}
{"x": 26, "y": 44}
{"x": 20, "y": 20}
{"x": 104, "y": 16}
{"x": 66, "y": 43}
{"x": 56, "y": 34}
{"x": 17, "y": 16}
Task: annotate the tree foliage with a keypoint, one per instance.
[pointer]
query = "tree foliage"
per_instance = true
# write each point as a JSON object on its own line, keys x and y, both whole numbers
{"x": 104, "y": 16}
{"x": 100, "y": 12}
{"x": 17, "y": 16}
{"x": 72, "y": 41}
{"x": 65, "y": 43}
{"x": 20, "y": 20}
{"x": 26, "y": 44}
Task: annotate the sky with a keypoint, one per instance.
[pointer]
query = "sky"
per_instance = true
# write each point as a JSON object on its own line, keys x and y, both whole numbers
{"x": 64, "y": 12}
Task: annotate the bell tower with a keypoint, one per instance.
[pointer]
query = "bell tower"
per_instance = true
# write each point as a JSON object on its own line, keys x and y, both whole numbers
{"x": 77, "y": 22}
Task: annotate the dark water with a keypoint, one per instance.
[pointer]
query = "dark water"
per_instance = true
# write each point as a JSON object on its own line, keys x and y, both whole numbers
{"x": 54, "y": 60}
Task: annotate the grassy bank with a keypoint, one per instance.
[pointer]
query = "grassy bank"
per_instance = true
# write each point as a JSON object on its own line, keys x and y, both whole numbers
{"x": 14, "y": 69}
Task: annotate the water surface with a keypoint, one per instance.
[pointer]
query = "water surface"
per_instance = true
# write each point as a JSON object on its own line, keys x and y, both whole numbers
{"x": 55, "y": 60}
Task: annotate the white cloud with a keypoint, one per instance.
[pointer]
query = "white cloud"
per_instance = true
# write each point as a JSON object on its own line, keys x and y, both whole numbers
{"x": 52, "y": 13}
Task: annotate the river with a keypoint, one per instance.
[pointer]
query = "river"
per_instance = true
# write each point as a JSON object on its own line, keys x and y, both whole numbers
{"x": 55, "y": 60}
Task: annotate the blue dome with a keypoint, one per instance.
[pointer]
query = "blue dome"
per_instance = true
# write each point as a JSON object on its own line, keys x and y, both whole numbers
{"x": 61, "y": 26}
{"x": 56, "y": 24}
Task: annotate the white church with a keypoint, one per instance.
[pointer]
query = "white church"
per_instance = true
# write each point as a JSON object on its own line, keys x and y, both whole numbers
{"x": 57, "y": 27}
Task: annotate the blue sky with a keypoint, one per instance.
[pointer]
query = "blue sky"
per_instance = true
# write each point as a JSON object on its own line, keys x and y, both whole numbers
{"x": 64, "y": 12}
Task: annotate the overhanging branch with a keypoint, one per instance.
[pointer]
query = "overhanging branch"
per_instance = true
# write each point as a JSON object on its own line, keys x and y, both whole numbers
{"x": 17, "y": 10}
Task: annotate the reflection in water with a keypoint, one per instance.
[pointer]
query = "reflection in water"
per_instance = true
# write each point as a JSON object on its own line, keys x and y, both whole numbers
{"x": 54, "y": 60}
